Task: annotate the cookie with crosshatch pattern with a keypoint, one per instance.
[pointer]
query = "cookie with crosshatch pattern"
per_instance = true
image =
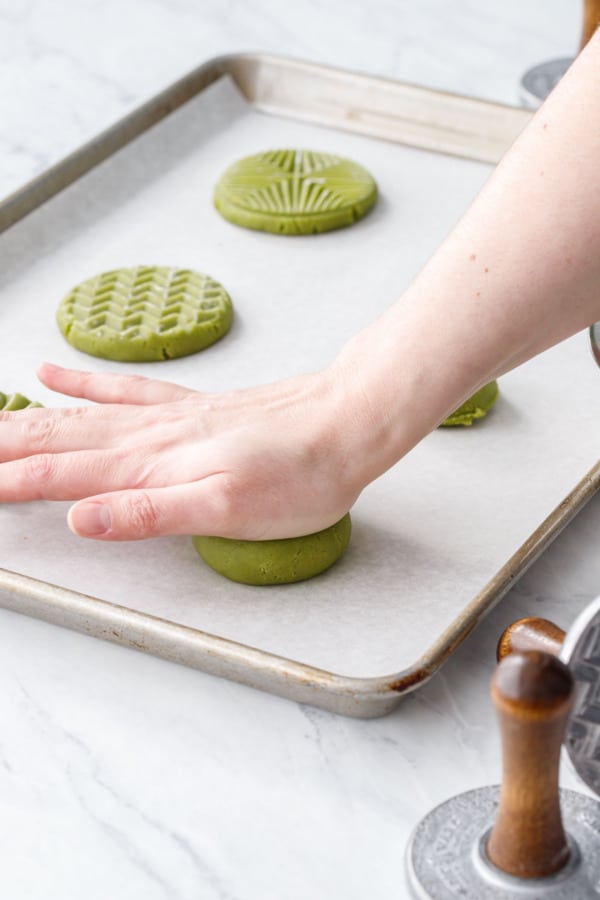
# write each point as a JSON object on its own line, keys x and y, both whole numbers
{"x": 10, "y": 402}
{"x": 145, "y": 313}
{"x": 294, "y": 192}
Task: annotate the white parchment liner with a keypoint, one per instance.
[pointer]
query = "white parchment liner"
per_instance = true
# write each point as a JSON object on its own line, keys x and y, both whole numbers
{"x": 429, "y": 534}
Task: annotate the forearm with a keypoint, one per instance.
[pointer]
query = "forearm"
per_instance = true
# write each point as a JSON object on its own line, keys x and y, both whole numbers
{"x": 519, "y": 273}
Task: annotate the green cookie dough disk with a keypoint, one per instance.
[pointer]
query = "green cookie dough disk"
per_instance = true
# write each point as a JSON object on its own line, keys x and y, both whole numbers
{"x": 145, "y": 313}
{"x": 475, "y": 407}
{"x": 294, "y": 192}
{"x": 279, "y": 561}
{"x": 10, "y": 402}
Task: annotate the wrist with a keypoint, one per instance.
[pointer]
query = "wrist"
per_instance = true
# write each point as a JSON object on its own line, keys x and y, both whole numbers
{"x": 399, "y": 381}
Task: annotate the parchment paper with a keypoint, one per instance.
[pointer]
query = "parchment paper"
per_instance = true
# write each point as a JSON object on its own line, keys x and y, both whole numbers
{"x": 429, "y": 534}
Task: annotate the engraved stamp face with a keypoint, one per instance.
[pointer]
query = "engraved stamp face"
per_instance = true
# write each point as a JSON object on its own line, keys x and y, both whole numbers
{"x": 581, "y": 651}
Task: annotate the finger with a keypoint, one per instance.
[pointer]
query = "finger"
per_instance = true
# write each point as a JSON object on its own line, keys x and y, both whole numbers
{"x": 110, "y": 387}
{"x": 202, "y": 507}
{"x": 40, "y": 430}
{"x": 72, "y": 475}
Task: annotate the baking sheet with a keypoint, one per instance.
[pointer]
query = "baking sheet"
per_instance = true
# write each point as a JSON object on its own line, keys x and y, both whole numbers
{"x": 430, "y": 534}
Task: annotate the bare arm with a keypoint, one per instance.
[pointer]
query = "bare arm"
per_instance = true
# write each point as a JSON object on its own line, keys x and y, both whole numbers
{"x": 520, "y": 272}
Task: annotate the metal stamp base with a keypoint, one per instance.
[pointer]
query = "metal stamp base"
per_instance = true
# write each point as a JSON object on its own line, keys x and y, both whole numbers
{"x": 445, "y": 857}
{"x": 538, "y": 81}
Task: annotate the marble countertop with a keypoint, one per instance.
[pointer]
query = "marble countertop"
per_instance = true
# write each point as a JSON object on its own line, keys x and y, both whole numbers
{"x": 125, "y": 776}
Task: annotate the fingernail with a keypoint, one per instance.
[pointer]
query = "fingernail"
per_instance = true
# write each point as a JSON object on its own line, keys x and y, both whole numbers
{"x": 90, "y": 519}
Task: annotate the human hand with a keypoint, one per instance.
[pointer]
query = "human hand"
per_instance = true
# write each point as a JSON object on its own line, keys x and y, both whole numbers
{"x": 152, "y": 458}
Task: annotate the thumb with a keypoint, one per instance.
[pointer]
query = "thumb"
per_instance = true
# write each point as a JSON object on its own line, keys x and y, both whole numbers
{"x": 203, "y": 507}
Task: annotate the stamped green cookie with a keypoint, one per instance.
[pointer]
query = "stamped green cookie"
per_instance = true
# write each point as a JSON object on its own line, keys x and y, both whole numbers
{"x": 9, "y": 402}
{"x": 294, "y": 192}
{"x": 275, "y": 562}
{"x": 146, "y": 313}
{"x": 475, "y": 407}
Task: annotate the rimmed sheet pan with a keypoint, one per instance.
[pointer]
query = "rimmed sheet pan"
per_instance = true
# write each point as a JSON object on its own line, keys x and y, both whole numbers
{"x": 439, "y": 539}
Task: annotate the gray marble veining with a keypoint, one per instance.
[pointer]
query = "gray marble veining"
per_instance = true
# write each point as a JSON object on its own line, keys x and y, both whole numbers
{"x": 124, "y": 775}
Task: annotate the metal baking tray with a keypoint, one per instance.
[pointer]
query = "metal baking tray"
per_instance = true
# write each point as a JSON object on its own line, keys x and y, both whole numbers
{"x": 437, "y": 540}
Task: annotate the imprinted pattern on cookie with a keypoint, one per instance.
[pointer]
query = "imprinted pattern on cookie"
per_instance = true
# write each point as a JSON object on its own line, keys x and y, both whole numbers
{"x": 295, "y": 192}
{"x": 10, "y": 402}
{"x": 145, "y": 313}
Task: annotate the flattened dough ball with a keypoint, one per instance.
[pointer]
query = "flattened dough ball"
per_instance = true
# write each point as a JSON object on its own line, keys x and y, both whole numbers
{"x": 145, "y": 313}
{"x": 294, "y": 192}
{"x": 279, "y": 561}
{"x": 10, "y": 402}
{"x": 476, "y": 407}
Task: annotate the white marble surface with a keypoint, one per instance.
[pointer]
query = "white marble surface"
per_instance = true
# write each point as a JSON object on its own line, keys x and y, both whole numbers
{"x": 124, "y": 776}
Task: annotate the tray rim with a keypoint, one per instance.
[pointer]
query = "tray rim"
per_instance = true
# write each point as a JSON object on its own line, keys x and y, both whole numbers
{"x": 241, "y": 67}
{"x": 363, "y": 697}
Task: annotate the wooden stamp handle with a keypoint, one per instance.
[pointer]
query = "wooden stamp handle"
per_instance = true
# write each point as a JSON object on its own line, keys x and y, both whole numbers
{"x": 532, "y": 693}
{"x": 530, "y": 633}
{"x": 591, "y": 20}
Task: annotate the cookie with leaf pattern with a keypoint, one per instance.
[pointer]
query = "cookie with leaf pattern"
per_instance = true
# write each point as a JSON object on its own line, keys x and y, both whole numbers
{"x": 145, "y": 313}
{"x": 295, "y": 192}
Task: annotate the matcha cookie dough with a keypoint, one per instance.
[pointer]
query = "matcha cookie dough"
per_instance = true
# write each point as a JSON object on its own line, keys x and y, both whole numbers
{"x": 145, "y": 313}
{"x": 278, "y": 561}
{"x": 295, "y": 192}
{"x": 9, "y": 402}
{"x": 475, "y": 407}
